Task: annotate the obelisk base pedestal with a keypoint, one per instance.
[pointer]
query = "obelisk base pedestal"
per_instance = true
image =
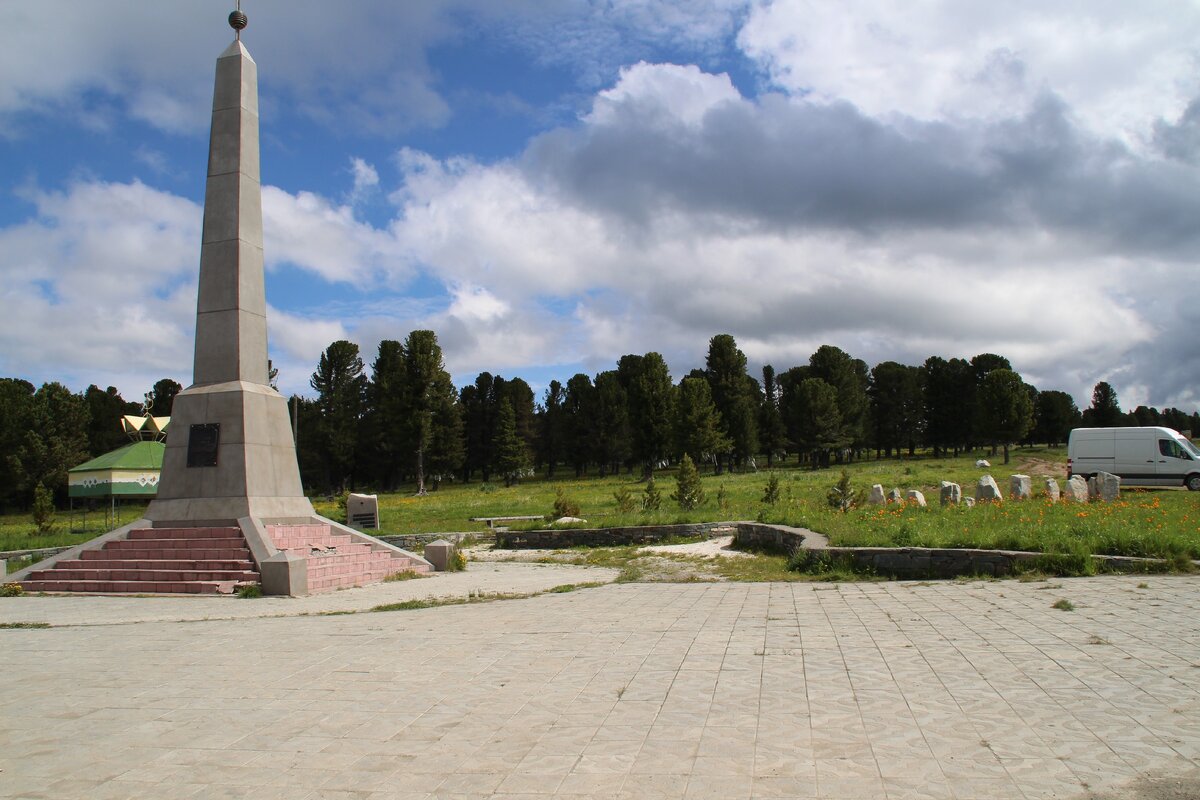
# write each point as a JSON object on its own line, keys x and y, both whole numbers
{"x": 229, "y": 454}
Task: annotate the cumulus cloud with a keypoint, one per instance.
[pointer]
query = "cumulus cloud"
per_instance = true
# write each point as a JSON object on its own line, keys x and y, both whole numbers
{"x": 927, "y": 180}
{"x": 1117, "y": 65}
{"x": 98, "y": 277}
{"x": 678, "y": 208}
{"x": 311, "y": 232}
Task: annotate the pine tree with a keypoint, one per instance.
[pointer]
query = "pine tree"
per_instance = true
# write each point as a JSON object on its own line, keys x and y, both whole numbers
{"x": 429, "y": 400}
{"x": 651, "y": 398}
{"x": 651, "y": 497}
{"x": 733, "y": 395}
{"x": 849, "y": 379}
{"x": 1105, "y": 411}
{"x": 552, "y": 441}
{"x": 689, "y": 492}
{"x": 697, "y": 422}
{"x": 340, "y": 386}
{"x": 1006, "y": 409}
{"x": 819, "y": 426}
{"x": 772, "y": 434}
{"x": 509, "y": 454}
{"x": 43, "y": 509}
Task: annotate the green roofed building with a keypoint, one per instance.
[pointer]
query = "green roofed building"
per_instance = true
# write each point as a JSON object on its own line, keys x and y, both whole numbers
{"x": 129, "y": 471}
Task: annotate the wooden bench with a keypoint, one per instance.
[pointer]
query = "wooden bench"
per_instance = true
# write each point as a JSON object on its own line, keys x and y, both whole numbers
{"x": 491, "y": 521}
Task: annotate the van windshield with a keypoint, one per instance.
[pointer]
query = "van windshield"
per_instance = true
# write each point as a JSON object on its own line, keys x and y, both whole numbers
{"x": 1191, "y": 448}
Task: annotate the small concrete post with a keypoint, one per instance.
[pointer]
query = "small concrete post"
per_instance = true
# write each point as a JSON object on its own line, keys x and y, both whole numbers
{"x": 285, "y": 573}
{"x": 439, "y": 554}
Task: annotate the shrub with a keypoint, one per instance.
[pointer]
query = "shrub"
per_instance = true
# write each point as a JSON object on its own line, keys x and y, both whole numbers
{"x": 772, "y": 493}
{"x": 722, "y": 498}
{"x": 689, "y": 492}
{"x": 651, "y": 497}
{"x": 626, "y": 504}
{"x": 250, "y": 591}
{"x": 458, "y": 561}
{"x": 564, "y": 506}
{"x": 842, "y": 496}
{"x": 12, "y": 590}
{"x": 43, "y": 509}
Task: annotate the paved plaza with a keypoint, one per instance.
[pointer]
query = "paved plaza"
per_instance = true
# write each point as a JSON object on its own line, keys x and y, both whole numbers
{"x": 700, "y": 690}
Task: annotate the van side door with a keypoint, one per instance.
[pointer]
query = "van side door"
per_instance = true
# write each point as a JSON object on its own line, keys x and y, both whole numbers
{"x": 1174, "y": 463}
{"x": 1136, "y": 458}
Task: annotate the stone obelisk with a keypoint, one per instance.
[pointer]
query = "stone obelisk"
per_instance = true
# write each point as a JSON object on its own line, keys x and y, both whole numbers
{"x": 229, "y": 451}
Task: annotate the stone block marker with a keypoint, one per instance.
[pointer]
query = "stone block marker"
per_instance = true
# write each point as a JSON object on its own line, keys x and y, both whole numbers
{"x": 986, "y": 491}
{"x": 876, "y": 498}
{"x": 1108, "y": 486}
{"x": 951, "y": 493}
{"x": 894, "y": 496}
{"x": 439, "y": 554}
{"x": 1076, "y": 489}
{"x": 1052, "y": 490}
{"x": 362, "y": 511}
{"x": 1020, "y": 487}
{"x": 917, "y": 497}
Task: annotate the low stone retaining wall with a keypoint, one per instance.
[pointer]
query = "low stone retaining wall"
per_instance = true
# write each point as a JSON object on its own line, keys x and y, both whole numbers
{"x": 922, "y": 562}
{"x": 757, "y": 536}
{"x": 602, "y": 537}
{"x": 415, "y": 542}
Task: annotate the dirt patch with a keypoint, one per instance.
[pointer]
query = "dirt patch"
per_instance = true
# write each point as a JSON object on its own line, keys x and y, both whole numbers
{"x": 1180, "y": 787}
{"x": 721, "y": 546}
{"x": 1031, "y": 465}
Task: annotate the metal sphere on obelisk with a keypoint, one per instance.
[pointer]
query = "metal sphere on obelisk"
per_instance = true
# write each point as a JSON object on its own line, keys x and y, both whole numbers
{"x": 238, "y": 21}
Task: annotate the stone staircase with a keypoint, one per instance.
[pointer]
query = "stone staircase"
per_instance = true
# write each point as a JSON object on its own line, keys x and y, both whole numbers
{"x": 155, "y": 561}
{"x": 337, "y": 560}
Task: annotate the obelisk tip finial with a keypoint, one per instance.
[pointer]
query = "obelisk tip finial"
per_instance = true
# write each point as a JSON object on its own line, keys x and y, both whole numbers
{"x": 238, "y": 20}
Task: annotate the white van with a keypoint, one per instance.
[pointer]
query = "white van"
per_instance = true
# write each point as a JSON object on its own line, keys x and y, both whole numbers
{"x": 1139, "y": 456}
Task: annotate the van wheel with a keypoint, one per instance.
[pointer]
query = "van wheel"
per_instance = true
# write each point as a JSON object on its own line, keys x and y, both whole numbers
{"x": 1192, "y": 483}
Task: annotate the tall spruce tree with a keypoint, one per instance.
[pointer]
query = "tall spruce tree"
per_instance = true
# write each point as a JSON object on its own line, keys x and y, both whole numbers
{"x": 819, "y": 426}
{"x": 733, "y": 395}
{"x": 385, "y": 426}
{"x": 1055, "y": 414}
{"x": 772, "y": 434}
{"x": 340, "y": 385}
{"x": 849, "y": 378}
{"x": 552, "y": 441}
{"x": 697, "y": 421}
{"x": 647, "y": 382}
{"x": 611, "y": 423}
{"x": 1006, "y": 408}
{"x": 579, "y": 408}
{"x": 510, "y": 457}
{"x": 1105, "y": 411}
{"x": 896, "y": 396}
{"x": 429, "y": 400}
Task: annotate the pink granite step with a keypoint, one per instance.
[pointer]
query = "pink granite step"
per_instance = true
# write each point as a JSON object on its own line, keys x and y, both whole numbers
{"x": 156, "y": 561}
{"x": 338, "y": 560}
{"x": 132, "y": 587}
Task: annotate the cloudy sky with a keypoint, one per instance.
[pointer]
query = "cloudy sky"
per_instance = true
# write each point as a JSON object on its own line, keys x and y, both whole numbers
{"x": 549, "y": 184}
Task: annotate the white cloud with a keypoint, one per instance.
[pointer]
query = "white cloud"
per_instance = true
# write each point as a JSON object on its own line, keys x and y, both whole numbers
{"x": 663, "y": 220}
{"x": 1118, "y": 65}
{"x": 666, "y": 94}
{"x": 311, "y": 232}
{"x": 95, "y": 287}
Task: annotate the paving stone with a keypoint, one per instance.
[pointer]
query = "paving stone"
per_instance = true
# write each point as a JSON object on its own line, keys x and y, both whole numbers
{"x": 881, "y": 690}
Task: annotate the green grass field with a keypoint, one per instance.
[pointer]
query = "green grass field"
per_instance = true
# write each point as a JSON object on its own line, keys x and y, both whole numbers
{"x": 1157, "y": 522}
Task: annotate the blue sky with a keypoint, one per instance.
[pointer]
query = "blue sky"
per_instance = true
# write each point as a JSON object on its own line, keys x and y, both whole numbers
{"x": 550, "y": 184}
